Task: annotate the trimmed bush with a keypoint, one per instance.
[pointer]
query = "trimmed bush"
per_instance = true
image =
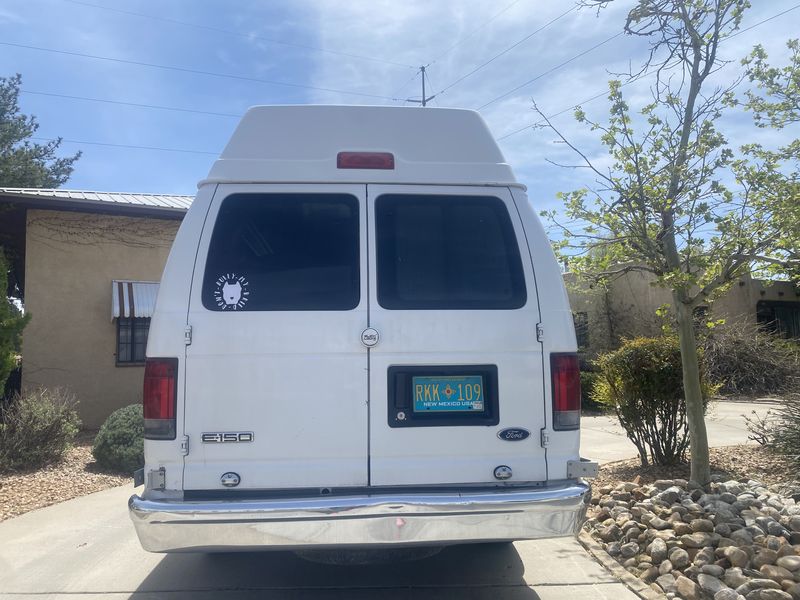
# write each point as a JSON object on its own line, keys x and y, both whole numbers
{"x": 588, "y": 403}
{"x": 37, "y": 428}
{"x": 643, "y": 383}
{"x": 119, "y": 445}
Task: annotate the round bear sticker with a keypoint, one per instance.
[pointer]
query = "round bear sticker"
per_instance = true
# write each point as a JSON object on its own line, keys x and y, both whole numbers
{"x": 231, "y": 292}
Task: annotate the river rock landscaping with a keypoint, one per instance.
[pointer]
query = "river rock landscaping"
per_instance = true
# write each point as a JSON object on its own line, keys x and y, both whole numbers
{"x": 738, "y": 540}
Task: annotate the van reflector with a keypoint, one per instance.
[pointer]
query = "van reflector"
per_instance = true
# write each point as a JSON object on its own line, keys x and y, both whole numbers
{"x": 160, "y": 398}
{"x": 365, "y": 160}
{"x": 566, "y": 390}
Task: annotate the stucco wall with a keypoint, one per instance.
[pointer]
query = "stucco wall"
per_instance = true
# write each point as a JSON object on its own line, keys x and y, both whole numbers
{"x": 627, "y": 307}
{"x": 71, "y": 259}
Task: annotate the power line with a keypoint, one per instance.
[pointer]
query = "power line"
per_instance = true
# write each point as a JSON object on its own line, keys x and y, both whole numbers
{"x": 134, "y": 104}
{"x": 605, "y": 92}
{"x": 561, "y": 112}
{"x": 780, "y": 14}
{"x": 160, "y": 149}
{"x": 473, "y": 32}
{"x": 239, "y": 34}
{"x": 556, "y": 68}
{"x": 507, "y": 50}
{"x": 195, "y": 71}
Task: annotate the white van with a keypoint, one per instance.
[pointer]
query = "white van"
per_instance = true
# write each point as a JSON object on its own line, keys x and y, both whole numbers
{"x": 361, "y": 339}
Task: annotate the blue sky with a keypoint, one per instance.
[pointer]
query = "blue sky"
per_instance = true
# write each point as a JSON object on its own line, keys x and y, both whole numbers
{"x": 366, "y": 48}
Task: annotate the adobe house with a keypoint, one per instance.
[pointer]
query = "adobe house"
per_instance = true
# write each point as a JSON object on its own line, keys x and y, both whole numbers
{"x": 87, "y": 265}
{"x": 627, "y": 308}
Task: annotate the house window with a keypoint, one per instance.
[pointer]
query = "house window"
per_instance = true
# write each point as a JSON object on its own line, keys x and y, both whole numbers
{"x": 782, "y": 318}
{"x": 581, "y": 321}
{"x": 131, "y": 339}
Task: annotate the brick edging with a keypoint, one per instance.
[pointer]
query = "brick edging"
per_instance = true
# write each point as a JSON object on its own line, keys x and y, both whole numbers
{"x": 636, "y": 585}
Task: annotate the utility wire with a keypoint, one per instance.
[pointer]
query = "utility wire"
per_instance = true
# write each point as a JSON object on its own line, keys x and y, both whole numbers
{"x": 160, "y": 149}
{"x": 556, "y": 68}
{"x": 195, "y": 71}
{"x": 780, "y": 14}
{"x": 605, "y": 92}
{"x": 506, "y": 51}
{"x": 561, "y": 112}
{"x": 473, "y": 32}
{"x": 239, "y": 34}
{"x": 135, "y": 104}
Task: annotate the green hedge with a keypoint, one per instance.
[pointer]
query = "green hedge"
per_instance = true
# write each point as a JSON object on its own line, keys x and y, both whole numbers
{"x": 119, "y": 445}
{"x": 642, "y": 382}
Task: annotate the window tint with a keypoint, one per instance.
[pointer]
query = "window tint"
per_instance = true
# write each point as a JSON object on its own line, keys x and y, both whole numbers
{"x": 447, "y": 252}
{"x": 284, "y": 252}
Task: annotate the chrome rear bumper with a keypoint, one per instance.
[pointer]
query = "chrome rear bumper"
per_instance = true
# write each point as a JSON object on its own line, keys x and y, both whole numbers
{"x": 379, "y": 520}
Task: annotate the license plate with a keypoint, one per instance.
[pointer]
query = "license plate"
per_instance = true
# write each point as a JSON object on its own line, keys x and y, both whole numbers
{"x": 462, "y": 393}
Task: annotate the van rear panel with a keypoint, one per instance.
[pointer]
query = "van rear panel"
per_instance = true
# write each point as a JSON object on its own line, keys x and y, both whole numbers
{"x": 357, "y": 324}
{"x": 453, "y": 297}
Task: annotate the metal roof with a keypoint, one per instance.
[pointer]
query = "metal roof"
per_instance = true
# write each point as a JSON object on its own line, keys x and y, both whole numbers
{"x": 166, "y": 202}
{"x": 133, "y": 298}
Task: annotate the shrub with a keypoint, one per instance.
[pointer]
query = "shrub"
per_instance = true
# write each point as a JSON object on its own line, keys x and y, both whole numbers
{"x": 119, "y": 445}
{"x": 780, "y": 428}
{"x": 588, "y": 381}
{"x": 643, "y": 383}
{"x": 37, "y": 428}
{"x": 746, "y": 360}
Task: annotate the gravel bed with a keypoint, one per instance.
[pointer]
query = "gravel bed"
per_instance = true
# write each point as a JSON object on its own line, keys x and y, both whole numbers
{"x": 738, "y": 540}
{"x": 75, "y": 475}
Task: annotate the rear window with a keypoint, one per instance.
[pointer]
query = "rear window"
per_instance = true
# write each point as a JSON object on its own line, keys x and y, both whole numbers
{"x": 284, "y": 252}
{"x": 447, "y": 252}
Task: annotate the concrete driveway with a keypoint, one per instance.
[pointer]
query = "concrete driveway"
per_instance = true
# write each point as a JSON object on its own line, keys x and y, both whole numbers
{"x": 87, "y": 547}
{"x": 603, "y": 440}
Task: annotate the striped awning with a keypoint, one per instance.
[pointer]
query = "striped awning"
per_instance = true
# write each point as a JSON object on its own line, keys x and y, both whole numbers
{"x": 133, "y": 298}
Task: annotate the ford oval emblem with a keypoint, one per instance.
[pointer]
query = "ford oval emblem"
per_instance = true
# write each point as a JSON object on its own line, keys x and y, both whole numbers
{"x": 513, "y": 434}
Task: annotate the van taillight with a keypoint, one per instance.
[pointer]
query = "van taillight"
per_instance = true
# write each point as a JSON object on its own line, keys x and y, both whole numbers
{"x": 566, "y": 381}
{"x": 160, "y": 398}
{"x": 365, "y": 160}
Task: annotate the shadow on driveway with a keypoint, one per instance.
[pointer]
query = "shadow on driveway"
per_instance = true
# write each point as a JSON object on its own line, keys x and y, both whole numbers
{"x": 466, "y": 571}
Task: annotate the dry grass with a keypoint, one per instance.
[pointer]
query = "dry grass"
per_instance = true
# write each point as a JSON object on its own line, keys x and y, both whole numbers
{"x": 75, "y": 475}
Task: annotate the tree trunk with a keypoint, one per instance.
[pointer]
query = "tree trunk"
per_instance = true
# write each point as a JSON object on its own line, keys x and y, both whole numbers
{"x": 695, "y": 414}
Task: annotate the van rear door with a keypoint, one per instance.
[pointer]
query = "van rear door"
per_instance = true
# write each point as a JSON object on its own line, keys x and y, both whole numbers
{"x": 454, "y": 301}
{"x": 276, "y": 375}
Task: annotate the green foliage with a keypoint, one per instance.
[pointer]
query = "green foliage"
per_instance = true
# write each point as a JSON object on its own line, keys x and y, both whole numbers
{"x": 37, "y": 428}
{"x": 771, "y": 175}
{"x": 675, "y": 200}
{"x": 588, "y": 403}
{"x": 643, "y": 383}
{"x": 24, "y": 163}
{"x": 12, "y": 322}
{"x": 119, "y": 445}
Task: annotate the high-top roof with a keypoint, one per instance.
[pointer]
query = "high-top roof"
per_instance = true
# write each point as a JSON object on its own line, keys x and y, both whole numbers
{"x": 300, "y": 144}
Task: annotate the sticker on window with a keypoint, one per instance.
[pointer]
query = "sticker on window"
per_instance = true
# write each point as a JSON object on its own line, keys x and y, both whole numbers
{"x": 231, "y": 291}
